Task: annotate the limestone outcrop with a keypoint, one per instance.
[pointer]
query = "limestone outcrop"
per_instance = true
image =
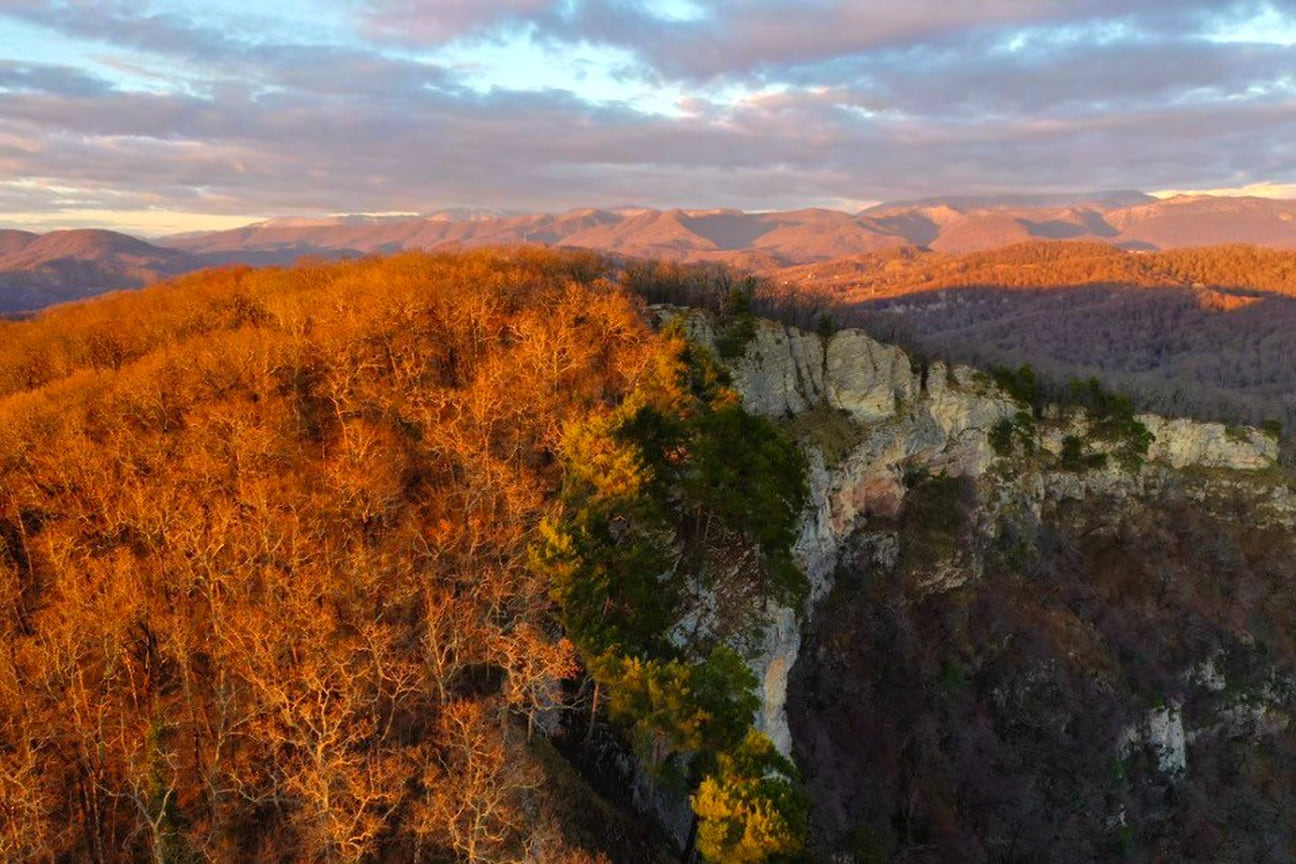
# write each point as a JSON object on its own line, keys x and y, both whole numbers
{"x": 1185, "y": 443}
{"x": 1112, "y": 716}
{"x": 936, "y": 421}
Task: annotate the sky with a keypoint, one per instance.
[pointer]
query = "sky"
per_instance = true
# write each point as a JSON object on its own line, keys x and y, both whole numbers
{"x": 155, "y": 116}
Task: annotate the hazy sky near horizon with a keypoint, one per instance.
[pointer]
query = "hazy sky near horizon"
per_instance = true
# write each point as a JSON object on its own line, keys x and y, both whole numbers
{"x": 167, "y": 115}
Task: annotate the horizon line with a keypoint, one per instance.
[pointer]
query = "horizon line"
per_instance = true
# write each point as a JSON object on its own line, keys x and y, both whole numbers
{"x": 158, "y": 224}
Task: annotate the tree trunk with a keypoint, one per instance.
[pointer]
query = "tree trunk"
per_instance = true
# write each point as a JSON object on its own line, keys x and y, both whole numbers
{"x": 690, "y": 855}
{"x": 589, "y": 732}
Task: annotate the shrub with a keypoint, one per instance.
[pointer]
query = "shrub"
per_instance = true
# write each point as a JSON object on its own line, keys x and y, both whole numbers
{"x": 1076, "y": 457}
{"x": 1111, "y": 419}
{"x": 1001, "y": 437}
{"x": 735, "y": 323}
{"x": 752, "y": 808}
{"x": 936, "y": 511}
{"x": 1010, "y": 432}
{"x": 1019, "y": 383}
{"x": 677, "y": 707}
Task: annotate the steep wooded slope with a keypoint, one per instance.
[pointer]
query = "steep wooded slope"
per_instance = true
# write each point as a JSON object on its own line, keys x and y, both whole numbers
{"x": 296, "y": 565}
{"x": 263, "y": 559}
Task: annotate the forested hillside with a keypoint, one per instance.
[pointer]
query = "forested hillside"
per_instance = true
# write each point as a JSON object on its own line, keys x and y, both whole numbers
{"x": 388, "y": 560}
{"x": 293, "y": 564}
{"x": 1051, "y": 265}
{"x": 1195, "y": 332}
{"x": 38, "y": 270}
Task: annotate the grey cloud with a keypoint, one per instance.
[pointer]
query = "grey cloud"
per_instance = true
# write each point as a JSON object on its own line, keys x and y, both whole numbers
{"x": 746, "y": 38}
{"x": 128, "y": 25}
{"x": 213, "y": 54}
{"x": 443, "y": 20}
{"x": 49, "y": 78}
{"x": 290, "y": 153}
{"x": 918, "y": 104}
{"x": 1070, "y": 79}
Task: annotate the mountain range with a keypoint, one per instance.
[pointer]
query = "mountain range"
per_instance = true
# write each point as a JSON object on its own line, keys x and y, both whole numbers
{"x": 38, "y": 270}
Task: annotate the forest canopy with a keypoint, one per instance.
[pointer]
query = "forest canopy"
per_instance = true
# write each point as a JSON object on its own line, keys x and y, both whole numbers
{"x": 282, "y": 572}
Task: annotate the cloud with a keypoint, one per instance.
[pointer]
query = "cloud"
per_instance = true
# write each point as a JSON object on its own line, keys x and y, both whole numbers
{"x": 443, "y": 20}
{"x": 210, "y": 54}
{"x": 286, "y": 153}
{"x": 48, "y": 78}
{"x": 744, "y": 38}
{"x": 1067, "y": 79}
{"x": 843, "y": 102}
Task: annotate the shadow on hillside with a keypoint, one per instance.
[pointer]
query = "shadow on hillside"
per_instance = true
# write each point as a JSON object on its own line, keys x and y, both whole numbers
{"x": 1089, "y": 225}
{"x": 729, "y": 232}
{"x": 918, "y": 229}
{"x": 1174, "y": 349}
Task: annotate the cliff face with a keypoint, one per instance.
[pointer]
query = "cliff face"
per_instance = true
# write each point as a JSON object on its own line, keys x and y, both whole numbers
{"x": 1002, "y": 659}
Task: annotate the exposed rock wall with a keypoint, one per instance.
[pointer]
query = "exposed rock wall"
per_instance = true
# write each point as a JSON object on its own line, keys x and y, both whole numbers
{"x": 1094, "y": 734}
{"x": 1039, "y": 663}
{"x": 1162, "y": 729}
{"x": 936, "y": 421}
{"x": 1185, "y": 443}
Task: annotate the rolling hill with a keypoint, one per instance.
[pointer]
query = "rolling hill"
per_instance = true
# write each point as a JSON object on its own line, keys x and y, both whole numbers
{"x": 787, "y": 238}
{"x": 40, "y": 270}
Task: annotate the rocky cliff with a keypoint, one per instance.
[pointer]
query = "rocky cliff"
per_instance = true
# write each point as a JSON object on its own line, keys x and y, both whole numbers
{"x": 1026, "y": 652}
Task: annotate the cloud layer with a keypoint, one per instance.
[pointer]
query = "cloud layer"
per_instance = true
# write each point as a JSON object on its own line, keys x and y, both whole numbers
{"x": 412, "y": 105}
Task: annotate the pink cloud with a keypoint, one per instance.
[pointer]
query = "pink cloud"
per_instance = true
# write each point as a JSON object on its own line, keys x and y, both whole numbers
{"x": 443, "y": 20}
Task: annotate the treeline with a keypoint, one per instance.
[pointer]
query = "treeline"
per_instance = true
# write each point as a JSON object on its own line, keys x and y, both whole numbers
{"x": 1042, "y": 264}
{"x": 733, "y": 295}
{"x": 1251, "y": 268}
{"x": 272, "y": 580}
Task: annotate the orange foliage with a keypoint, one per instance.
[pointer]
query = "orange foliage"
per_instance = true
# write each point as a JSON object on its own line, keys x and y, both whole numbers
{"x": 262, "y": 534}
{"x": 1043, "y": 264}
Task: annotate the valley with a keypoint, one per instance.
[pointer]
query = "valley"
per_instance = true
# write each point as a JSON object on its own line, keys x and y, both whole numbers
{"x": 745, "y": 590}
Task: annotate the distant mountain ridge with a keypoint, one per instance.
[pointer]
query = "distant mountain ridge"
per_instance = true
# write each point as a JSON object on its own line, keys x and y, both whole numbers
{"x": 39, "y": 270}
{"x": 775, "y": 239}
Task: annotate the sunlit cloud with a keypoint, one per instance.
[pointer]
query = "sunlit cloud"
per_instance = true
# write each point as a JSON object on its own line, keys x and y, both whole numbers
{"x": 1255, "y": 190}
{"x": 1270, "y": 26}
{"x": 142, "y": 223}
{"x": 244, "y": 110}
